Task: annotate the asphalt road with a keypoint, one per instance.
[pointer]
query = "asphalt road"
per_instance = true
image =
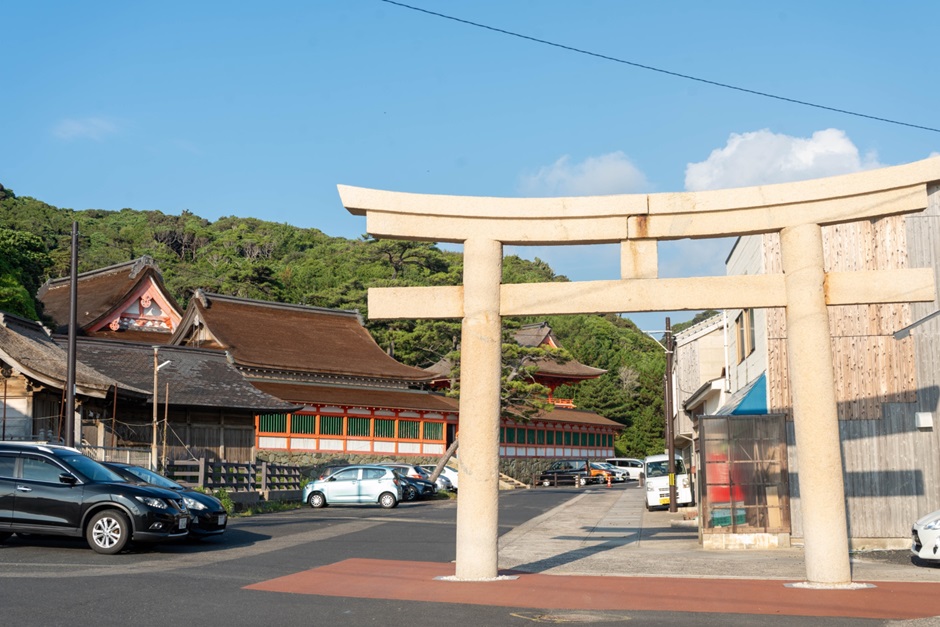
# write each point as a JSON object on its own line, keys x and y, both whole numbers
{"x": 54, "y": 581}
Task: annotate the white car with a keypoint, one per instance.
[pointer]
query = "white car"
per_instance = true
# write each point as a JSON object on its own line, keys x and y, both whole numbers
{"x": 448, "y": 473}
{"x": 926, "y": 537}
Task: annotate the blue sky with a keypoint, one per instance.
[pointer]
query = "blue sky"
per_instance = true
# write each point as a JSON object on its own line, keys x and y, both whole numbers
{"x": 261, "y": 109}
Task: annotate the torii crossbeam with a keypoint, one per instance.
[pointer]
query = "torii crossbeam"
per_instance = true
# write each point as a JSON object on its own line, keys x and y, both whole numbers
{"x": 798, "y": 211}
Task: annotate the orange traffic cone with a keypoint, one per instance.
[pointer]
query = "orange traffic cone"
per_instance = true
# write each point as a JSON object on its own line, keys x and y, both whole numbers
{"x": 608, "y": 480}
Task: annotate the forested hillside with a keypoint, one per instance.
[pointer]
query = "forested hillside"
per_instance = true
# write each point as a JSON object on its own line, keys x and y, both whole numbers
{"x": 271, "y": 261}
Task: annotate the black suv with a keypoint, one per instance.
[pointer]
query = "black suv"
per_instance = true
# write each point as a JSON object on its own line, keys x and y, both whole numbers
{"x": 55, "y": 490}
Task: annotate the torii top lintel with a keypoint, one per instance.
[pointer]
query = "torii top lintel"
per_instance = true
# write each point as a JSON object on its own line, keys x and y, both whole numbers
{"x": 664, "y": 216}
{"x": 638, "y": 221}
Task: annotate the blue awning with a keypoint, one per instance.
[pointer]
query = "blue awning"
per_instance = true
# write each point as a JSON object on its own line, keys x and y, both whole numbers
{"x": 750, "y": 400}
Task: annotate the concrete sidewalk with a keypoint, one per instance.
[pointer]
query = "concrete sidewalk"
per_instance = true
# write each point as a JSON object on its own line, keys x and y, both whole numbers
{"x": 607, "y": 531}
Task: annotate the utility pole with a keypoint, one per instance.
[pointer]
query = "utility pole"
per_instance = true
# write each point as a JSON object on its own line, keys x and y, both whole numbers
{"x": 70, "y": 426}
{"x": 668, "y": 341}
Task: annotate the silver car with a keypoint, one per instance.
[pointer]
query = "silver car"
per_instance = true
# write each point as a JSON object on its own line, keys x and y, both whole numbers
{"x": 355, "y": 484}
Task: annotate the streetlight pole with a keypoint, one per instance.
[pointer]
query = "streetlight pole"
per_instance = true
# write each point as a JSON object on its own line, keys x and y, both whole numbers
{"x": 156, "y": 403}
{"x": 153, "y": 443}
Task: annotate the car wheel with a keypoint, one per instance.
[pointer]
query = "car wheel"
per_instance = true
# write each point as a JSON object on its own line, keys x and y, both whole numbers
{"x": 582, "y": 481}
{"x": 108, "y": 532}
{"x": 388, "y": 500}
{"x": 546, "y": 482}
{"x": 410, "y": 493}
{"x": 316, "y": 500}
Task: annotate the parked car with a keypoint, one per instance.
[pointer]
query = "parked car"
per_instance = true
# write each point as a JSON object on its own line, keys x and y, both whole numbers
{"x": 209, "y": 517}
{"x": 599, "y": 473}
{"x": 925, "y": 536}
{"x": 413, "y": 488}
{"x": 656, "y": 475}
{"x": 355, "y": 484}
{"x": 633, "y": 466}
{"x": 566, "y": 472}
{"x": 617, "y": 475}
{"x": 55, "y": 490}
{"x": 413, "y": 471}
{"x": 449, "y": 473}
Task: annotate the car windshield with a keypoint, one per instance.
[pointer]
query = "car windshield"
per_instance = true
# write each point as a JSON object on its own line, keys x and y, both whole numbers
{"x": 149, "y": 476}
{"x": 92, "y": 470}
{"x": 661, "y": 469}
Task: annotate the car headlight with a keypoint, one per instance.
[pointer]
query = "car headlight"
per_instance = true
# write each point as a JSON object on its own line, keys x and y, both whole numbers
{"x": 152, "y": 502}
{"x": 192, "y": 503}
{"x": 933, "y": 525}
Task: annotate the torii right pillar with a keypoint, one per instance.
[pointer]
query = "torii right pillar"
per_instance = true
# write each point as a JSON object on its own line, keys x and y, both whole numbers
{"x": 815, "y": 413}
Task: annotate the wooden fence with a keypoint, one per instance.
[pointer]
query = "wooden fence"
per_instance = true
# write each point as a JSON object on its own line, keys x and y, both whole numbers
{"x": 244, "y": 482}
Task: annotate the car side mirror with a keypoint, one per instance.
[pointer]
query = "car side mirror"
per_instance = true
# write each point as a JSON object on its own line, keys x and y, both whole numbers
{"x": 68, "y": 478}
{"x": 332, "y": 479}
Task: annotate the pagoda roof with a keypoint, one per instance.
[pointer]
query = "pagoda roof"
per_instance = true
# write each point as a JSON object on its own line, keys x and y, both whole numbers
{"x": 576, "y": 416}
{"x": 283, "y": 337}
{"x": 101, "y": 293}
{"x": 540, "y": 334}
{"x": 350, "y": 396}
{"x": 195, "y": 377}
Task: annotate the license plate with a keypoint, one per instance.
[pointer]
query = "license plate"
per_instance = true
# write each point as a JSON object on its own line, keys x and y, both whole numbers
{"x": 183, "y": 523}
{"x": 664, "y": 500}
{"x": 221, "y": 519}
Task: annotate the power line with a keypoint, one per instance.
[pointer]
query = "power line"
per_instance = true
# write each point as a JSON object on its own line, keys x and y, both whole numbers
{"x": 651, "y": 68}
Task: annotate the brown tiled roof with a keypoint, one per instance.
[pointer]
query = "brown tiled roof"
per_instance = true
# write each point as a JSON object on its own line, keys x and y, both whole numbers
{"x": 279, "y": 336}
{"x": 27, "y": 347}
{"x": 357, "y": 397}
{"x": 99, "y": 292}
{"x": 533, "y": 334}
{"x": 196, "y": 377}
{"x": 576, "y": 416}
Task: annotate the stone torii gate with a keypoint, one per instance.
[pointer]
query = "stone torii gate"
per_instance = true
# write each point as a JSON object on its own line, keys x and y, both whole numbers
{"x": 798, "y": 211}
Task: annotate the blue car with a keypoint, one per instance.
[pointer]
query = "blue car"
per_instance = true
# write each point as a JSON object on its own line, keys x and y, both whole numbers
{"x": 355, "y": 484}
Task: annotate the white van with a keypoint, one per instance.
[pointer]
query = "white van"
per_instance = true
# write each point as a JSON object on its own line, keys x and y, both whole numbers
{"x": 656, "y": 471}
{"x": 634, "y": 467}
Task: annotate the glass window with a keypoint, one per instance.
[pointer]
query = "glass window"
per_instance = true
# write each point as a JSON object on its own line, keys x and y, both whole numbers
{"x": 7, "y": 463}
{"x": 373, "y": 473}
{"x": 39, "y": 469}
{"x": 350, "y": 474}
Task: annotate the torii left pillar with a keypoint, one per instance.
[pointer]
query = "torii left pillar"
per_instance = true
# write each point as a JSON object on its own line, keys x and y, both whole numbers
{"x": 480, "y": 372}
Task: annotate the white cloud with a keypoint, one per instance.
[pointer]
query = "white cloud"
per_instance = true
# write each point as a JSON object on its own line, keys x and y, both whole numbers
{"x": 612, "y": 173}
{"x": 95, "y": 128}
{"x": 762, "y": 157}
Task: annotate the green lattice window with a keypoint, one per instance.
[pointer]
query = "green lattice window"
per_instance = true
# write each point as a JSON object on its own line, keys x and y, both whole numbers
{"x": 409, "y": 429}
{"x": 272, "y": 423}
{"x": 358, "y": 427}
{"x": 303, "y": 423}
{"x": 510, "y": 435}
{"x": 550, "y": 438}
{"x": 530, "y": 436}
{"x": 384, "y": 428}
{"x": 540, "y": 437}
{"x": 331, "y": 425}
{"x": 591, "y": 439}
{"x": 434, "y": 431}
{"x": 567, "y": 438}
